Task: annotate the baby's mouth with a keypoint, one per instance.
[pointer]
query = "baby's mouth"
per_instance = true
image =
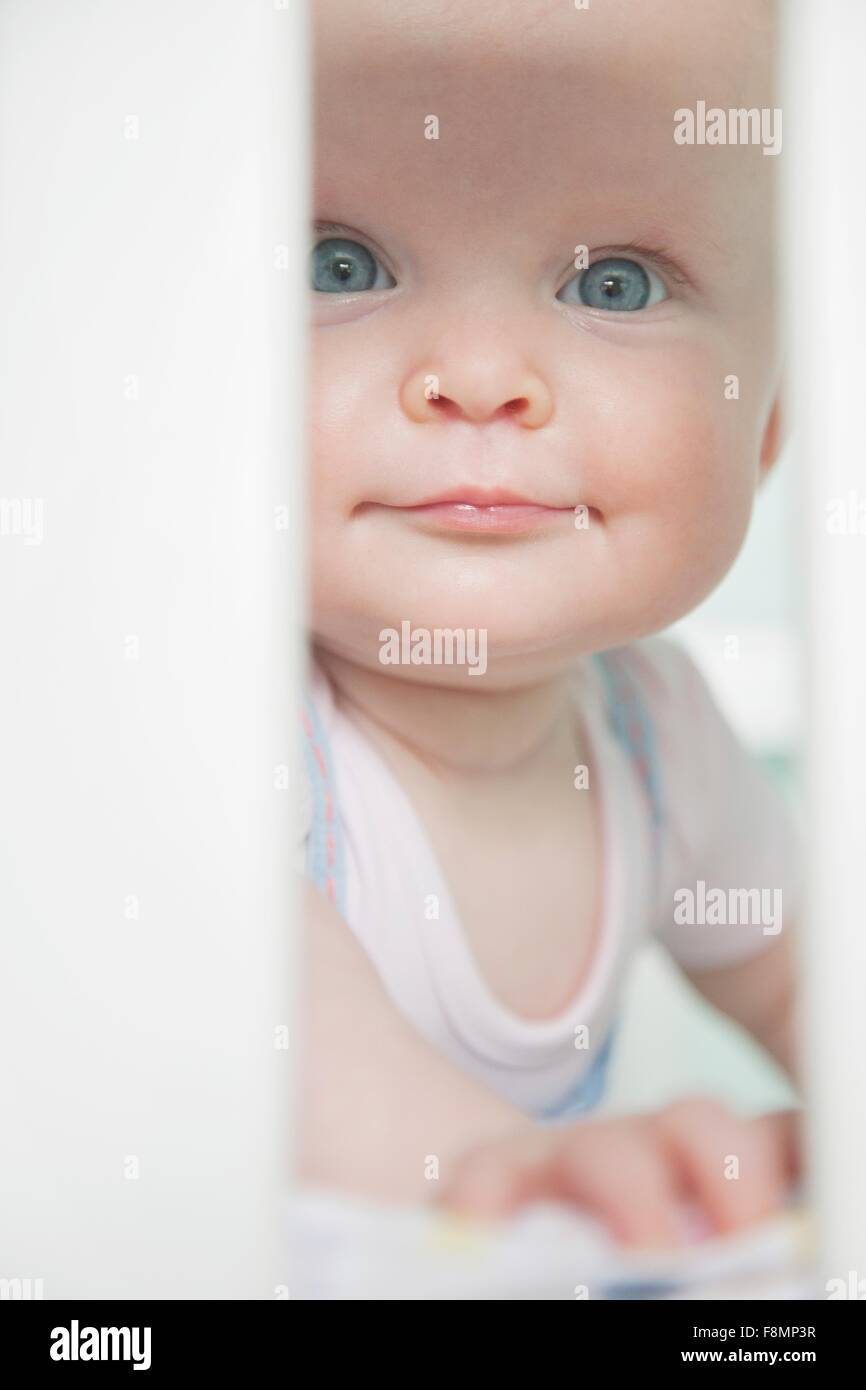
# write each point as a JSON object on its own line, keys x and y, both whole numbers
{"x": 492, "y": 512}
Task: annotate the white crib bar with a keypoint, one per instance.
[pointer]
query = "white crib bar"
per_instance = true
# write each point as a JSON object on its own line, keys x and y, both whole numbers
{"x": 825, "y": 229}
{"x": 152, "y": 162}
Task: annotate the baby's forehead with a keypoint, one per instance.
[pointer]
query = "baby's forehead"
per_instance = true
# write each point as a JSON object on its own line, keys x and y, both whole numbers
{"x": 675, "y": 49}
{"x": 467, "y": 105}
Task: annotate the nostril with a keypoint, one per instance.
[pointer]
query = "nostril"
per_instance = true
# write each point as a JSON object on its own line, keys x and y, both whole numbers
{"x": 445, "y": 405}
{"x": 478, "y": 399}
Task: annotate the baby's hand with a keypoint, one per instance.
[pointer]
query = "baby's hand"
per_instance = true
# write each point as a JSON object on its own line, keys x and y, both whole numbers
{"x": 692, "y": 1169}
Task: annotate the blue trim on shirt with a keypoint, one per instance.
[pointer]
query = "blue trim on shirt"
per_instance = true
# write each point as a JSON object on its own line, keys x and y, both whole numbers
{"x": 633, "y": 729}
{"x": 320, "y": 787}
{"x": 587, "y": 1092}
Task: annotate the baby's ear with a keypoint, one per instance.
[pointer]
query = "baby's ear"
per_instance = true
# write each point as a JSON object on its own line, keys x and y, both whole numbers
{"x": 774, "y": 436}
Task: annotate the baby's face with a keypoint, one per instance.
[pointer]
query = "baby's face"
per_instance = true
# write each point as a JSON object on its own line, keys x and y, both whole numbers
{"x": 458, "y": 354}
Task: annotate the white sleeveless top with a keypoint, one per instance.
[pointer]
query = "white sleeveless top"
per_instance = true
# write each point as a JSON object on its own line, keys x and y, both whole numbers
{"x": 720, "y": 824}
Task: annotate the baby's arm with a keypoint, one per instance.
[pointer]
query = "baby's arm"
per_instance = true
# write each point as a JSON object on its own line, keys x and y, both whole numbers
{"x": 759, "y": 994}
{"x": 377, "y": 1099}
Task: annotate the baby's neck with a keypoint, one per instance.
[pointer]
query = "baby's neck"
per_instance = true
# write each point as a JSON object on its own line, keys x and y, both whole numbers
{"x": 447, "y": 728}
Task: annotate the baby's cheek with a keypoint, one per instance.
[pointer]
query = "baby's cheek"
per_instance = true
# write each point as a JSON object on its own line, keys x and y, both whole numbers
{"x": 338, "y": 427}
{"x": 685, "y": 478}
{"x": 345, "y": 416}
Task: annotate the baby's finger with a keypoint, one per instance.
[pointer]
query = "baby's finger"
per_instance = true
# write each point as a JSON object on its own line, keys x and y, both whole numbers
{"x": 614, "y": 1171}
{"x": 784, "y": 1130}
{"x": 735, "y": 1168}
{"x": 620, "y": 1173}
{"x": 495, "y": 1179}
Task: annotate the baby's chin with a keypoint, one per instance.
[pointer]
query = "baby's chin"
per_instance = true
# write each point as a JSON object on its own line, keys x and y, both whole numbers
{"x": 516, "y": 628}
{"x": 533, "y": 606}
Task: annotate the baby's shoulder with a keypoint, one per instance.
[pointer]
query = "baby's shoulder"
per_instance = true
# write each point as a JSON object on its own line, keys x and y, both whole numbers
{"x": 656, "y": 680}
{"x": 661, "y": 705}
{"x": 658, "y": 668}
{"x": 712, "y": 789}
{"x": 651, "y": 690}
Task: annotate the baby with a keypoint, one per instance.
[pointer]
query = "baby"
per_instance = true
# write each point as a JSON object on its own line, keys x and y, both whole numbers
{"x": 545, "y": 389}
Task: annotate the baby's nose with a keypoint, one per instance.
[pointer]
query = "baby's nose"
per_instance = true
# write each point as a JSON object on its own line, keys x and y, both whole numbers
{"x": 428, "y": 397}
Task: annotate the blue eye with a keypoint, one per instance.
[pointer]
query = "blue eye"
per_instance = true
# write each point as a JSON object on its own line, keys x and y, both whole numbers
{"x": 616, "y": 284}
{"x": 341, "y": 266}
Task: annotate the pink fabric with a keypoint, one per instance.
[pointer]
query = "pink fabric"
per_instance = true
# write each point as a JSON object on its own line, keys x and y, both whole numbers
{"x": 722, "y": 823}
